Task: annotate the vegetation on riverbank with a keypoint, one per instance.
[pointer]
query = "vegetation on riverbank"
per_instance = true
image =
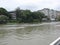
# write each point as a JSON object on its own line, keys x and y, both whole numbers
{"x": 22, "y": 16}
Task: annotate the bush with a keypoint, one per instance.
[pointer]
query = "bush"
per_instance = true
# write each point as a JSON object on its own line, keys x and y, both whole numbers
{"x": 3, "y": 19}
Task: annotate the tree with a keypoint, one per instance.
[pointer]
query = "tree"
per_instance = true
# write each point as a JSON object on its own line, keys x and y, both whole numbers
{"x": 3, "y": 19}
{"x": 58, "y": 18}
{"x": 4, "y": 12}
{"x": 25, "y": 15}
{"x": 37, "y": 16}
{"x": 18, "y": 13}
{"x": 22, "y": 15}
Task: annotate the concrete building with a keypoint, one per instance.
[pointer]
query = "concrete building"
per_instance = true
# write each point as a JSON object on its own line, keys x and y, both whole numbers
{"x": 50, "y": 13}
{"x": 58, "y": 14}
{"x": 13, "y": 14}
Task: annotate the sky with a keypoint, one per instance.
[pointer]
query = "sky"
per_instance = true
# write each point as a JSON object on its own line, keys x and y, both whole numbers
{"x": 32, "y": 5}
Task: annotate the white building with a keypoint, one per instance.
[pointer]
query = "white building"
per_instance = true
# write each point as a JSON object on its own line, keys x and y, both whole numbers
{"x": 58, "y": 14}
{"x": 50, "y": 13}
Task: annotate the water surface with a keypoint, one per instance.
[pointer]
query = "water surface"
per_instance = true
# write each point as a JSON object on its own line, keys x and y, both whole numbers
{"x": 29, "y": 34}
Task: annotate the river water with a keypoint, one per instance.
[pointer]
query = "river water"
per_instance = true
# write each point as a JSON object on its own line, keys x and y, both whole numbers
{"x": 29, "y": 34}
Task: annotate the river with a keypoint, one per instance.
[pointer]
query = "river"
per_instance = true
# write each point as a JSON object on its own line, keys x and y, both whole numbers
{"x": 29, "y": 34}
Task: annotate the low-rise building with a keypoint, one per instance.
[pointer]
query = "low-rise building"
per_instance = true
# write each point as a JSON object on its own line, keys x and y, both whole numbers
{"x": 13, "y": 14}
{"x": 50, "y": 13}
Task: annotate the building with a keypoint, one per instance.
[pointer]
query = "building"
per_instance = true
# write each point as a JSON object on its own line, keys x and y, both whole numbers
{"x": 58, "y": 14}
{"x": 50, "y": 13}
{"x": 13, "y": 14}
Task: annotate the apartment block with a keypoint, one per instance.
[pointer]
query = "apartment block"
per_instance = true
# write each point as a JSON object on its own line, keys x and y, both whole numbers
{"x": 50, "y": 13}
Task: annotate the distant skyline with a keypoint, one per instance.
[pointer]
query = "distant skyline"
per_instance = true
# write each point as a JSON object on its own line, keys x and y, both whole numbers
{"x": 32, "y": 5}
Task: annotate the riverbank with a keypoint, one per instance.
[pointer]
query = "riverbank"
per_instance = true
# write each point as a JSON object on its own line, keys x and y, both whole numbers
{"x": 30, "y": 24}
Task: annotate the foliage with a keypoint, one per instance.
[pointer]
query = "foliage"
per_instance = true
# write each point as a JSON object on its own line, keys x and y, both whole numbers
{"x": 27, "y": 16}
{"x": 38, "y": 16}
{"x": 58, "y": 18}
{"x": 22, "y": 16}
{"x": 17, "y": 13}
{"x": 4, "y": 12}
{"x": 3, "y": 19}
{"x": 48, "y": 19}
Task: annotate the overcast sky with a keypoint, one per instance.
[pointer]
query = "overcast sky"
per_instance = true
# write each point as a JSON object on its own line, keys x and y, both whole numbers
{"x": 30, "y": 4}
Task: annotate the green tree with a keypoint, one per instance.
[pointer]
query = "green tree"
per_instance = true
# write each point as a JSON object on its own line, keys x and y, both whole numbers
{"x": 3, "y": 19}
{"x": 58, "y": 18}
{"x": 4, "y": 12}
{"x": 25, "y": 15}
{"x": 37, "y": 16}
{"x": 18, "y": 13}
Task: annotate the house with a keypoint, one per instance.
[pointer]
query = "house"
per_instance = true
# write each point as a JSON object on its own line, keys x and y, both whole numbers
{"x": 13, "y": 14}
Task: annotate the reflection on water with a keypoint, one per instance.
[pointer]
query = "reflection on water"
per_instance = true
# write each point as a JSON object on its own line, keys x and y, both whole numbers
{"x": 29, "y": 34}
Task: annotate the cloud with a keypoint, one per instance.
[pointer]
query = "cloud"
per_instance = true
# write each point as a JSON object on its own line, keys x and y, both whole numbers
{"x": 30, "y": 4}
